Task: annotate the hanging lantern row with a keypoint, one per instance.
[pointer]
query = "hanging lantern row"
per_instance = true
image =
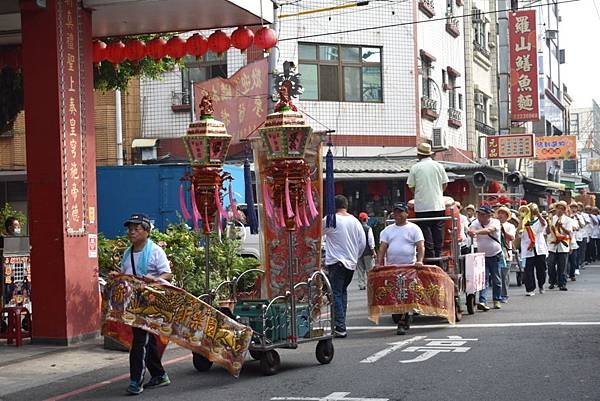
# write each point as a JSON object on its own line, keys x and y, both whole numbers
{"x": 11, "y": 57}
{"x": 196, "y": 45}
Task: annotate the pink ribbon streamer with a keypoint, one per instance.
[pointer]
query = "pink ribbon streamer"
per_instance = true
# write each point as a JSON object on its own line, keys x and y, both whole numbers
{"x": 288, "y": 201}
{"x": 182, "y": 206}
{"x": 281, "y": 217}
{"x": 205, "y": 221}
{"x": 309, "y": 199}
{"x": 232, "y": 204}
{"x": 267, "y": 201}
{"x": 304, "y": 217}
{"x": 222, "y": 212}
{"x": 195, "y": 211}
{"x": 297, "y": 219}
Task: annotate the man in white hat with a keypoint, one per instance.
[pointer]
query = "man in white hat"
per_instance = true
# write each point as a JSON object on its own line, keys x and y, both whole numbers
{"x": 428, "y": 180}
{"x": 559, "y": 247}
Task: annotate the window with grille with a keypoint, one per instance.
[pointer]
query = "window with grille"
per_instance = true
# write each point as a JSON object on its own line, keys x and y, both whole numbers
{"x": 198, "y": 70}
{"x": 340, "y": 72}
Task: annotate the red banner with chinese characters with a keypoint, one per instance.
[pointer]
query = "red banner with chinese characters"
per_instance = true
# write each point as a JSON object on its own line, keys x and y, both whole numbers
{"x": 70, "y": 76}
{"x": 240, "y": 101}
{"x": 524, "y": 96}
{"x": 427, "y": 290}
{"x": 510, "y": 146}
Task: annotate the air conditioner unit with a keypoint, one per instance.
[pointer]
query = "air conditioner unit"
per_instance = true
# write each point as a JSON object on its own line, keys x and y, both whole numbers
{"x": 479, "y": 98}
{"x": 438, "y": 139}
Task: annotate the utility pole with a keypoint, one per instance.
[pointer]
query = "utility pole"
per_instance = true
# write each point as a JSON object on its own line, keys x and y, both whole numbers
{"x": 273, "y": 57}
{"x": 504, "y": 73}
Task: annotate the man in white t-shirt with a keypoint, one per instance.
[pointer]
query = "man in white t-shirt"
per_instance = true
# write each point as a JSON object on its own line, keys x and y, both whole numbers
{"x": 573, "y": 265}
{"x": 144, "y": 259}
{"x": 559, "y": 246}
{"x": 401, "y": 243}
{"x": 428, "y": 179}
{"x": 487, "y": 231}
{"x": 344, "y": 244}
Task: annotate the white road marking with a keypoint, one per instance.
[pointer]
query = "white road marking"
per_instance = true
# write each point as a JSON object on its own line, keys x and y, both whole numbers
{"x": 394, "y": 347}
{"x": 338, "y": 396}
{"x": 476, "y": 325}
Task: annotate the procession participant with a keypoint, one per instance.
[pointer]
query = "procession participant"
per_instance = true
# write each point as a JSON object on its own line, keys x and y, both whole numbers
{"x": 583, "y": 236}
{"x": 344, "y": 244}
{"x": 559, "y": 246}
{"x": 573, "y": 267}
{"x": 428, "y": 179}
{"x": 367, "y": 259}
{"x": 487, "y": 230}
{"x": 144, "y": 259}
{"x": 465, "y": 244}
{"x": 534, "y": 248}
{"x": 507, "y": 236}
{"x": 595, "y": 217}
{"x": 401, "y": 243}
{"x": 587, "y": 211}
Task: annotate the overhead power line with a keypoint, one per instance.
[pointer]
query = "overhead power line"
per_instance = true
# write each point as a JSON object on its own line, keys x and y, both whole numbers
{"x": 416, "y": 22}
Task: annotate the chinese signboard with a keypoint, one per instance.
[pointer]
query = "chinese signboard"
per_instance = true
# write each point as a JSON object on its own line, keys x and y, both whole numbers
{"x": 593, "y": 165}
{"x": 524, "y": 96}
{"x": 510, "y": 146}
{"x": 240, "y": 101}
{"x": 71, "y": 117}
{"x": 563, "y": 147}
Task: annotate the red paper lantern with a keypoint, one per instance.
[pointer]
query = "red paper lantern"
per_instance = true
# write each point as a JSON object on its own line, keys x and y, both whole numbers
{"x": 219, "y": 42}
{"x": 242, "y": 38}
{"x": 99, "y": 51}
{"x": 115, "y": 52}
{"x": 176, "y": 47}
{"x": 196, "y": 45}
{"x": 135, "y": 50}
{"x": 156, "y": 48}
{"x": 265, "y": 38}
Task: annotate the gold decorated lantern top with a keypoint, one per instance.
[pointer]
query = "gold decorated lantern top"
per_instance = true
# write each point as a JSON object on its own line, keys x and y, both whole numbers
{"x": 207, "y": 140}
{"x": 285, "y": 133}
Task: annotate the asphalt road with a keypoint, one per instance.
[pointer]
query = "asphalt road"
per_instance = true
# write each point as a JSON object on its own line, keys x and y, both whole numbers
{"x": 542, "y": 348}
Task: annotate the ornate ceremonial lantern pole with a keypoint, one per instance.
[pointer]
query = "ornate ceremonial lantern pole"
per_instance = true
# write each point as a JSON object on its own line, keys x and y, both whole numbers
{"x": 287, "y": 187}
{"x": 206, "y": 143}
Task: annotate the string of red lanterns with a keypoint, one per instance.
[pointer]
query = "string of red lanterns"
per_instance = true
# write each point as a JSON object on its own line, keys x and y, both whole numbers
{"x": 177, "y": 47}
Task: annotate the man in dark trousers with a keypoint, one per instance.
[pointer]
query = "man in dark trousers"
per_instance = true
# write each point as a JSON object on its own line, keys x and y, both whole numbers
{"x": 428, "y": 179}
{"x": 144, "y": 258}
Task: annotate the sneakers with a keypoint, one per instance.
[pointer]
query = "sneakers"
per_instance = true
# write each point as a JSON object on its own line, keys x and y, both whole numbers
{"x": 362, "y": 287}
{"x": 563, "y": 289}
{"x": 483, "y": 307}
{"x": 497, "y": 305}
{"x": 158, "y": 381}
{"x": 504, "y": 300}
{"x": 340, "y": 334}
{"x": 542, "y": 291}
{"x": 134, "y": 388}
{"x": 577, "y": 272}
{"x": 532, "y": 293}
{"x": 573, "y": 279}
{"x": 552, "y": 286}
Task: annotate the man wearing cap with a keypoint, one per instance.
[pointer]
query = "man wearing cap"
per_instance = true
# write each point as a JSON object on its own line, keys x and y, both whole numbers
{"x": 401, "y": 243}
{"x": 344, "y": 244}
{"x": 559, "y": 246}
{"x": 487, "y": 231}
{"x": 428, "y": 179}
{"x": 144, "y": 259}
{"x": 507, "y": 236}
{"x": 366, "y": 260}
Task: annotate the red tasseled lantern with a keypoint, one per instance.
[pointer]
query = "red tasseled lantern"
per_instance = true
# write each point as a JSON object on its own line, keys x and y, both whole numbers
{"x": 156, "y": 48}
{"x": 176, "y": 47}
{"x": 99, "y": 51}
{"x": 135, "y": 50}
{"x": 265, "y": 38}
{"x": 242, "y": 38}
{"x": 219, "y": 42}
{"x": 494, "y": 187}
{"x": 115, "y": 52}
{"x": 196, "y": 45}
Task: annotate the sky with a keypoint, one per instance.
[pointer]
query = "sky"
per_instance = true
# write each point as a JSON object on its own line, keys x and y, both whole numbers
{"x": 580, "y": 37}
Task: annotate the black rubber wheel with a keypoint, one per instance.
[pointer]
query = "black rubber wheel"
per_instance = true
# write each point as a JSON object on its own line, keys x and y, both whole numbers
{"x": 457, "y": 311}
{"x": 201, "y": 363}
{"x": 397, "y": 317}
{"x": 257, "y": 355}
{"x": 519, "y": 279}
{"x": 26, "y": 323}
{"x": 269, "y": 362}
{"x": 324, "y": 351}
{"x": 471, "y": 304}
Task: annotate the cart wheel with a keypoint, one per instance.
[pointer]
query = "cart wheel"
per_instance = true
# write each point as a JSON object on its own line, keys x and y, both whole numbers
{"x": 26, "y": 323}
{"x": 257, "y": 355}
{"x": 404, "y": 321}
{"x": 471, "y": 304}
{"x": 457, "y": 311}
{"x": 519, "y": 279}
{"x": 324, "y": 351}
{"x": 397, "y": 317}
{"x": 269, "y": 362}
{"x": 201, "y": 363}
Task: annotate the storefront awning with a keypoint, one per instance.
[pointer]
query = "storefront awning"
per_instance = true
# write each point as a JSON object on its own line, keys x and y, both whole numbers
{"x": 544, "y": 184}
{"x": 144, "y": 143}
{"x": 382, "y": 176}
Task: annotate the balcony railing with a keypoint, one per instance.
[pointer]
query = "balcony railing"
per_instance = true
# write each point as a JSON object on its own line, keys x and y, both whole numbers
{"x": 484, "y": 128}
{"x": 180, "y": 101}
{"x": 429, "y": 108}
{"x": 454, "y": 117}
{"x": 452, "y": 25}
{"x": 427, "y": 7}
{"x": 478, "y": 47}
